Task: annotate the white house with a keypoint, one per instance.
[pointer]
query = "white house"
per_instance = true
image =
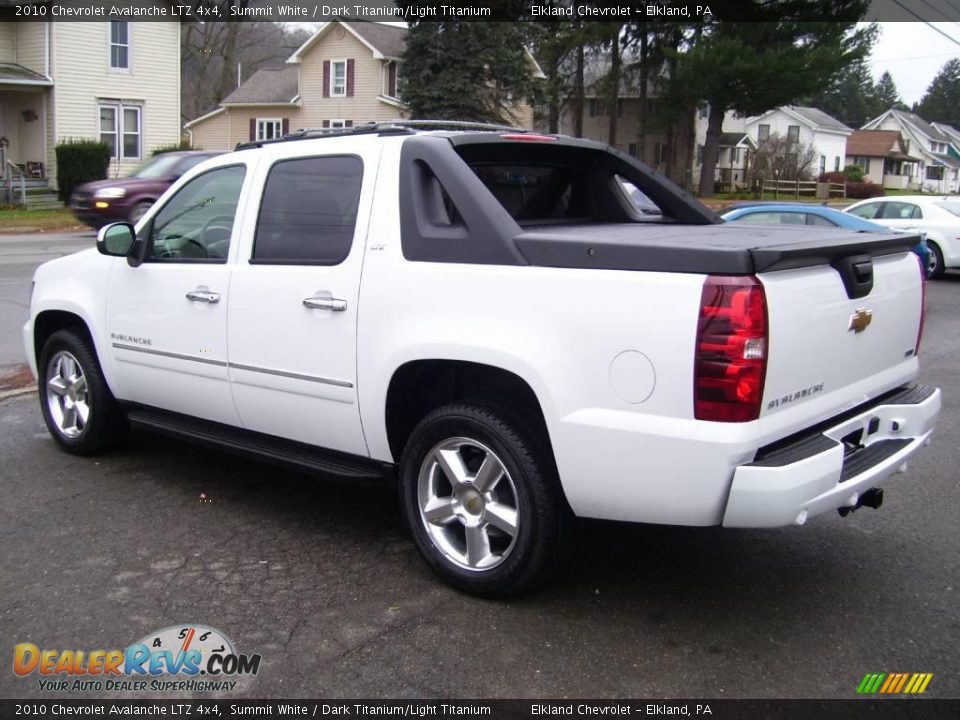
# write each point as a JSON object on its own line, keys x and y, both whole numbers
{"x": 937, "y": 169}
{"x": 809, "y": 126}
{"x": 736, "y": 149}
{"x": 118, "y": 82}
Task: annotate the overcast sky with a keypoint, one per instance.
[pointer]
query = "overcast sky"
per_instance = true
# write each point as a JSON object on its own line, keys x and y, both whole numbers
{"x": 913, "y": 53}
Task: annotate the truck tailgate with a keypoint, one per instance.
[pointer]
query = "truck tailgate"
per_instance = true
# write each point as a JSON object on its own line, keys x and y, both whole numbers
{"x": 821, "y": 340}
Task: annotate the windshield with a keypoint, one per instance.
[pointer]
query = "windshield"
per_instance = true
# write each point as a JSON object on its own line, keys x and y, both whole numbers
{"x": 951, "y": 206}
{"x": 160, "y": 166}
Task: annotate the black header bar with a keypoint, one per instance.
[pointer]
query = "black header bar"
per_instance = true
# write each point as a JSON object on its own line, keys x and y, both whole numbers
{"x": 447, "y": 10}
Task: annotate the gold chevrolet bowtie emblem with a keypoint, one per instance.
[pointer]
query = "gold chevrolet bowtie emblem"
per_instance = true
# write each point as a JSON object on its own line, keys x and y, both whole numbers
{"x": 860, "y": 319}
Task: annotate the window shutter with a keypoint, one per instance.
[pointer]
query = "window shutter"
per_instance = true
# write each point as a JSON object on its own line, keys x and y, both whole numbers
{"x": 285, "y": 126}
{"x": 348, "y": 123}
{"x": 392, "y": 80}
{"x": 326, "y": 123}
{"x": 253, "y": 128}
{"x": 326, "y": 78}
{"x": 350, "y": 77}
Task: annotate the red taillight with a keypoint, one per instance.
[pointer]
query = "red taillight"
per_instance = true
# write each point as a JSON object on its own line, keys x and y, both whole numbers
{"x": 923, "y": 303}
{"x": 731, "y": 357}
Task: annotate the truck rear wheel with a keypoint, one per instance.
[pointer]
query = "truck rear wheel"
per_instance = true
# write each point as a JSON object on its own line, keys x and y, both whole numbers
{"x": 482, "y": 499}
{"x": 78, "y": 407}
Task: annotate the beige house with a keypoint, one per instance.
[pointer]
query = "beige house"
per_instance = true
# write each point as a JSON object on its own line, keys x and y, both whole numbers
{"x": 114, "y": 81}
{"x": 884, "y": 156}
{"x": 344, "y": 75}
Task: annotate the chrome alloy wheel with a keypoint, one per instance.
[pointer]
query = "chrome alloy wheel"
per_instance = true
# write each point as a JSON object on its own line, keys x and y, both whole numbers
{"x": 67, "y": 394}
{"x": 468, "y": 504}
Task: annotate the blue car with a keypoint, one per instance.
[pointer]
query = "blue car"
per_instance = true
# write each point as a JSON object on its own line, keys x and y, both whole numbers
{"x": 817, "y": 216}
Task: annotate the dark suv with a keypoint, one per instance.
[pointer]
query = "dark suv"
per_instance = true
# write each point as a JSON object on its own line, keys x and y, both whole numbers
{"x": 128, "y": 198}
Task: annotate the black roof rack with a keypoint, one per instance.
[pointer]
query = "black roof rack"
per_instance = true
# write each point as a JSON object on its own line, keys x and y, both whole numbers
{"x": 386, "y": 127}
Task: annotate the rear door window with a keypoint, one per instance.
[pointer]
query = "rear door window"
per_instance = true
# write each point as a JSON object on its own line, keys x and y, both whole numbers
{"x": 868, "y": 211}
{"x": 309, "y": 211}
{"x": 532, "y": 193}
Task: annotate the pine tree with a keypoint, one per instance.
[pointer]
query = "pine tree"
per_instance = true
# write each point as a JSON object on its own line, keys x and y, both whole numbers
{"x": 942, "y": 99}
{"x": 475, "y": 71}
{"x": 886, "y": 95}
{"x": 851, "y": 97}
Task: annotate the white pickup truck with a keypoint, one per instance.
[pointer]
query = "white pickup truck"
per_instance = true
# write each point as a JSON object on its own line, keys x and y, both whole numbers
{"x": 489, "y": 318}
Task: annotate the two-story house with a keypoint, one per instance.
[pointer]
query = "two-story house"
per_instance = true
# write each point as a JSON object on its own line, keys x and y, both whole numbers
{"x": 937, "y": 169}
{"x": 345, "y": 74}
{"x": 808, "y": 126}
{"x": 118, "y": 82}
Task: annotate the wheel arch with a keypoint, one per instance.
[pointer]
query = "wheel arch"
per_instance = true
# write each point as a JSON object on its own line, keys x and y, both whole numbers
{"x": 417, "y": 387}
{"x": 47, "y": 322}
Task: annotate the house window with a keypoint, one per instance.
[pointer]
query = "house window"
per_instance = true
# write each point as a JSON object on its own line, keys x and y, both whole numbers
{"x": 338, "y": 124}
{"x": 658, "y": 152}
{"x": 120, "y": 130}
{"x": 793, "y": 133}
{"x": 269, "y": 128}
{"x": 836, "y": 163}
{"x": 864, "y": 163}
{"x": 338, "y": 78}
{"x": 633, "y": 150}
{"x": 120, "y": 45}
{"x": 934, "y": 172}
{"x": 763, "y": 132}
{"x": 823, "y": 164}
{"x": 699, "y": 154}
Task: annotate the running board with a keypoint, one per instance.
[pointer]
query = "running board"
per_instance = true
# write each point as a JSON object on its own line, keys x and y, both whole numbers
{"x": 274, "y": 450}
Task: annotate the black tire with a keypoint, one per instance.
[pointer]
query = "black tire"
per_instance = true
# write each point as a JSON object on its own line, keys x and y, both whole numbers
{"x": 105, "y": 426}
{"x": 544, "y": 528}
{"x": 938, "y": 268}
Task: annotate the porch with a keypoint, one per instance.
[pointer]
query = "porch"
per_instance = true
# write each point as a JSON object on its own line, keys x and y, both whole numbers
{"x": 24, "y": 115}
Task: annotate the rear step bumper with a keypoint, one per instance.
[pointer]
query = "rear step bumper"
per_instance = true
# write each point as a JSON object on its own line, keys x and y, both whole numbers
{"x": 830, "y": 467}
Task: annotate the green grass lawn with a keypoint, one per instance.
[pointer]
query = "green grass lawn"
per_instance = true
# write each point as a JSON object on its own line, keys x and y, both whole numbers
{"x": 15, "y": 221}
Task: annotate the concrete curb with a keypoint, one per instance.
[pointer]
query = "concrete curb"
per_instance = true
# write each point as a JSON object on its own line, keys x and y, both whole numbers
{"x": 17, "y": 392}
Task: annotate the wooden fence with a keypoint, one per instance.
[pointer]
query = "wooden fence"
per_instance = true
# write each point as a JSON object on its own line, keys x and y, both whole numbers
{"x": 802, "y": 188}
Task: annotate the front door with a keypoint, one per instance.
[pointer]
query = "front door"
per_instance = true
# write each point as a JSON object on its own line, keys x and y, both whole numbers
{"x": 293, "y": 301}
{"x": 167, "y": 318}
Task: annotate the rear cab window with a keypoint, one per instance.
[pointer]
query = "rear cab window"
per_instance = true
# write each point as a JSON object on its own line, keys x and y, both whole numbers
{"x": 308, "y": 211}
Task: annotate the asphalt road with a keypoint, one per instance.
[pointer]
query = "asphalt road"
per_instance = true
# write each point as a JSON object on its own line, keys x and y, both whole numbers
{"x": 19, "y": 257}
{"x": 322, "y": 581}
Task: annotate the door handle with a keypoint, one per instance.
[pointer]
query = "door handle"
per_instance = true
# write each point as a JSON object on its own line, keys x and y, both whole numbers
{"x": 325, "y": 303}
{"x": 206, "y": 296}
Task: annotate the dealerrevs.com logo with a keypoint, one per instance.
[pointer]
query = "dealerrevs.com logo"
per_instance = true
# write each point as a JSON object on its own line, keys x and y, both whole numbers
{"x": 184, "y": 658}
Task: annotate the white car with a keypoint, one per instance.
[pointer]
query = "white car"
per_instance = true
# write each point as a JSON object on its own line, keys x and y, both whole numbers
{"x": 485, "y": 319}
{"x": 936, "y": 215}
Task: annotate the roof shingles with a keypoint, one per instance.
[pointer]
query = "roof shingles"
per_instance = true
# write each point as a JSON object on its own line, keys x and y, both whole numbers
{"x": 277, "y": 86}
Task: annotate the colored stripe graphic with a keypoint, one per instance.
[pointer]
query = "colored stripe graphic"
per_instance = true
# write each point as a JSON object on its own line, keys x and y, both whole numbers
{"x": 894, "y": 683}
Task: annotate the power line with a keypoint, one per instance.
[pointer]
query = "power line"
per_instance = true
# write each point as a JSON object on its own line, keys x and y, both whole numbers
{"x": 925, "y": 22}
{"x": 935, "y": 9}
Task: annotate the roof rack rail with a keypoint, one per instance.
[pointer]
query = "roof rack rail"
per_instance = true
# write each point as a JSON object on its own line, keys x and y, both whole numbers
{"x": 457, "y": 125}
{"x": 384, "y": 127}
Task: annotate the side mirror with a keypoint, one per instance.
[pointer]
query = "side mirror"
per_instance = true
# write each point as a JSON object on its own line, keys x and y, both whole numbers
{"x": 116, "y": 239}
{"x": 120, "y": 240}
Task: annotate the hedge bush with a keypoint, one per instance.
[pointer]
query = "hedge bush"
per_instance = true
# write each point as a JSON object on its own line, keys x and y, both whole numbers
{"x": 864, "y": 190}
{"x": 835, "y": 176}
{"x": 80, "y": 161}
{"x": 854, "y": 173}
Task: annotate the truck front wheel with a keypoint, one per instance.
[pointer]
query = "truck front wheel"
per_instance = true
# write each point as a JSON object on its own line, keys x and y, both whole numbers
{"x": 482, "y": 499}
{"x": 78, "y": 407}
